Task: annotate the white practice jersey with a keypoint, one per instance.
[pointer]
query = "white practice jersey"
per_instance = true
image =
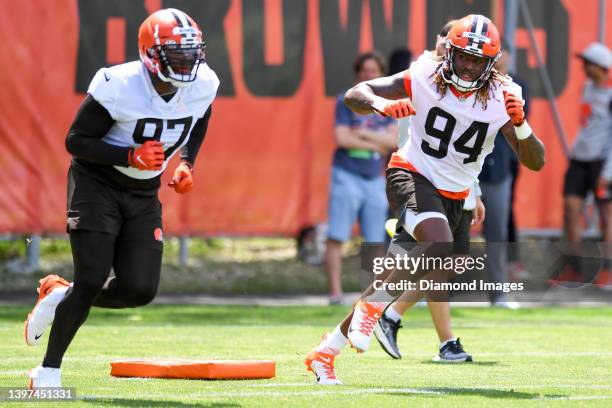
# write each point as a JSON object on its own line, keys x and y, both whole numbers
{"x": 141, "y": 115}
{"x": 450, "y": 137}
{"x": 403, "y": 136}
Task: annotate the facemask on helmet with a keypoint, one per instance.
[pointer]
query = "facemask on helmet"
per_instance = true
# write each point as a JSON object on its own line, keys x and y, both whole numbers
{"x": 475, "y": 35}
{"x": 170, "y": 45}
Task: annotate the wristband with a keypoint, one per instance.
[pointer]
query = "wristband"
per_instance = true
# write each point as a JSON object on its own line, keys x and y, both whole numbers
{"x": 379, "y": 105}
{"x": 523, "y": 131}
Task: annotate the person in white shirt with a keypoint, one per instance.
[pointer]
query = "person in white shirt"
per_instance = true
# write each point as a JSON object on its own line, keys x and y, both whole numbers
{"x": 387, "y": 328}
{"x": 459, "y": 103}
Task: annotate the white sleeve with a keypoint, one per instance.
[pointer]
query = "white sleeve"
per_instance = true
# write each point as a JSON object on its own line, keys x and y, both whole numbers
{"x": 207, "y": 86}
{"x": 215, "y": 80}
{"x": 102, "y": 89}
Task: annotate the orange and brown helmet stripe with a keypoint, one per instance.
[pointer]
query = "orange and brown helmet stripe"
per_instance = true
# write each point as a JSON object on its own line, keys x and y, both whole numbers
{"x": 168, "y": 26}
{"x": 476, "y": 34}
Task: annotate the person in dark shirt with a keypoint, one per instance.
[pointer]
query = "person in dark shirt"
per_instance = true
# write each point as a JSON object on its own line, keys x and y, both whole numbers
{"x": 497, "y": 179}
{"x": 357, "y": 188}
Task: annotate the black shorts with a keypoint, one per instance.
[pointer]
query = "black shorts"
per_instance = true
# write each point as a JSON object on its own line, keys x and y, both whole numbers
{"x": 411, "y": 191}
{"x": 462, "y": 235}
{"x": 97, "y": 206}
{"x": 581, "y": 179}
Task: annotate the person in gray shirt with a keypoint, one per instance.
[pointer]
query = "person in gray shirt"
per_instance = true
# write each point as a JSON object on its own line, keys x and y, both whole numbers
{"x": 590, "y": 166}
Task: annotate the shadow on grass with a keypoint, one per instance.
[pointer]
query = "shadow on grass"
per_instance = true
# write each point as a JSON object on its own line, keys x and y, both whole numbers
{"x": 123, "y": 402}
{"x": 476, "y": 363}
{"x": 482, "y": 392}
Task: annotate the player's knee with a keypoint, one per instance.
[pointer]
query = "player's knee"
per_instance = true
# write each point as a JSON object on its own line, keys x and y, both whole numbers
{"x": 141, "y": 295}
{"x": 439, "y": 250}
{"x": 87, "y": 289}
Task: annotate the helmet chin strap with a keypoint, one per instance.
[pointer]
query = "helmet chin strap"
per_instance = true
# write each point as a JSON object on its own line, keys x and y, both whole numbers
{"x": 174, "y": 82}
{"x": 466, "y": 86}
{"x": 462, "y": 85}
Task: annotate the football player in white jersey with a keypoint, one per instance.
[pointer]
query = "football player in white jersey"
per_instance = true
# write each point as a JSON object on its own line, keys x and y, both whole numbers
{"x": 135, "y": 117}
{"x": 459, "y": 103}
{"x": 386, "y": 330}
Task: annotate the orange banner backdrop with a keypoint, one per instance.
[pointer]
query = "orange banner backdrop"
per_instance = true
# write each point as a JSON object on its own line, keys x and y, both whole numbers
{"x": 264, "y": 167}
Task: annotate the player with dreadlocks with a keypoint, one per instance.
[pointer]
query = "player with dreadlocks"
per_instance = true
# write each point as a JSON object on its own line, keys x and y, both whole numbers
{"x": 459, "y": 103}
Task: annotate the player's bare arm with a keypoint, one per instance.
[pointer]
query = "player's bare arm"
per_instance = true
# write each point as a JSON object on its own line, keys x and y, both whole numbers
{"x": 378, "y": 96}
{"x": 529, "y": 149}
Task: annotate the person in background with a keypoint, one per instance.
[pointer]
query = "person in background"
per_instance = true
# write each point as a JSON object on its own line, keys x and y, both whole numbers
{"x": 516, "y": 270}
{"x": 496, "y": 181}
{"x": 357, "y": 189}
{"x": 590, "y": 165}
{"x": 399, "y": 60}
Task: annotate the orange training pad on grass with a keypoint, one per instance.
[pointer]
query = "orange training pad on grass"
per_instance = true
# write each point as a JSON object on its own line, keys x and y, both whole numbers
{"x": 195, "y": 369}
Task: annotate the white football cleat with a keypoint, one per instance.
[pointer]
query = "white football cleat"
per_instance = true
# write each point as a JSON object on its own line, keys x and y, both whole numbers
{"x": 45, "y": 377}
{"x": 322, "y": 365}
{"x": 51, "y": 292}
{"x": 365, "y": 317}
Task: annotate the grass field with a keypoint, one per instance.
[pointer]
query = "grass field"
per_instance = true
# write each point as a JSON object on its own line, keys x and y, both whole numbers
{"x": 215, "y": 266}
{"x": 530, "y": 357}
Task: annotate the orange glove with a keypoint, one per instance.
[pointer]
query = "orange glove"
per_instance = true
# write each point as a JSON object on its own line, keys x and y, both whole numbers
{"x": 514, "y": 107}
{"x": 399, "y": 109}
{"x": 182, "y": 182}
{"x": 601, "y": 191}
{"x": 149, "y": 156}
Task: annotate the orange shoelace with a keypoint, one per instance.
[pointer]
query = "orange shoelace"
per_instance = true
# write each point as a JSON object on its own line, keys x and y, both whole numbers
{"x": 328, "y": 368}
{"x": 367, "y": 324}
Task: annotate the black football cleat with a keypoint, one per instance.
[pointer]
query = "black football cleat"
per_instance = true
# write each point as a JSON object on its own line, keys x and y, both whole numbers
{"x": 386, "y": 334}
{"x": 453, "y": 352}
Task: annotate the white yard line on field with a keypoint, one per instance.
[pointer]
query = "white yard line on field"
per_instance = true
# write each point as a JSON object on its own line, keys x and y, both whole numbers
{"x": 334, "y": 390}
{"x": 502, "y": 387}
{"x": 556, "y": 354}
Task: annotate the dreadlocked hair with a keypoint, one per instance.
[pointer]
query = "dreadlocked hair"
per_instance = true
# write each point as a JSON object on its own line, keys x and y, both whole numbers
{"x": 482, "y": 94}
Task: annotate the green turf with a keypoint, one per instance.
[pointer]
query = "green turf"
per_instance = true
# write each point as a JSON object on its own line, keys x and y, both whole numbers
{"x": 537, "y": 357}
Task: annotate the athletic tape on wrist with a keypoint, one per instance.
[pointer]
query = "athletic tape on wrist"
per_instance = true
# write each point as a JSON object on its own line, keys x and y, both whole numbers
{"x": 523, "y": 131}
{"x": 379, "y": 105}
